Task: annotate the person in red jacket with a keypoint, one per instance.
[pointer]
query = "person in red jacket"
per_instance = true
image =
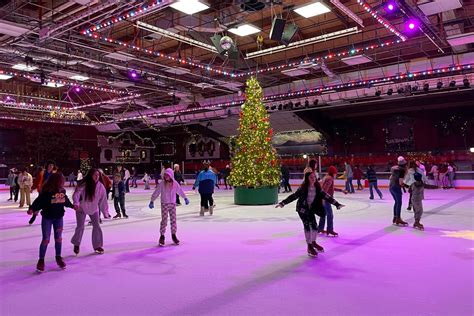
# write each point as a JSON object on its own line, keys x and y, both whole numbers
{"x": 358, "y": 174}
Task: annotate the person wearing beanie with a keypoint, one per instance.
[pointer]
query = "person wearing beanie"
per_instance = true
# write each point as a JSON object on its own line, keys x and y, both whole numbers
{"x": 309, "y": 198}
{"x": 168, "y": 188}
{"x": 397, "y": 174}
{"x": 328, "y": 186}
{"x": 416, "y": 198}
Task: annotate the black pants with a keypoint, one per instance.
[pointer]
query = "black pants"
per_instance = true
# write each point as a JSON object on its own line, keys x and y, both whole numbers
{"x": 177, "y": 199}
{"x": 12, "y": 192}
{"x": 119, "y": 204}
{"x": 127, "y": 185}
{"x": 225, "y": 182}
{"x": 309, "y": 221}
{"x": 17, "y": 190}
{"x": 206, "y": 200}
{"x": 286, "y": 183}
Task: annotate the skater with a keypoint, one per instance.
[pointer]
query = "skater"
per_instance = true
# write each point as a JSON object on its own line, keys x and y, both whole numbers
{"x": 349, "y": 175}
{"x": 178, "y": 176}
{"x": 146, "y": 181}
{"x": 285, "y": 174}
{"x": 311, "y": 167}
{"x": 310, "y": 197}
{"x": 327, "y": 186}
{"x": 25, "y": 181}
{"x": 395, "y": 187}
{"x": 450, "y": 175}
{"x": 358, "y": 176}
{"x": 42, "y": 177}
{"x": 372, "y": 178}
{"x": 118, "y": 193}
{"x": 51, "y": 201}
{"x": 206, "y": 181}
{"x": 416, "y": 198}
{"x": 17, "y": 187}
{"x": 225, "y": 175}
{"x": 89, "y": 199}
{"x": 168, "y": 188}
{"x": 134, "y": 177}
{"x": 71, "y": 178}
{"x": 11, "y": 183}
{"x": 435, "y": 174}
{"x": 410, "y": 179}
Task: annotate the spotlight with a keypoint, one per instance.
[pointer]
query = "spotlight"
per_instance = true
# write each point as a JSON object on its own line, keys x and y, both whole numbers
{"x": 439, "y": 85}
{"x": 133, "y": 74}
{"x": 426, "y": 87}
{"x": 391, "y": 7}
{"x": 390, "y": 91}
{"x": 378, "y": 93}
{"x": 466, "y": 83}
{"x": 77, "y": 89}
{"x": 471, "y": 149}
{"x": 452, "y": 84}
{"x": 412, "y": 25}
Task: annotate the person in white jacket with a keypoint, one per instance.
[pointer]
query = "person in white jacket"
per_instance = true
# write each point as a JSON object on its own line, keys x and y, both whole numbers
{"x": 89, "y": 198}
{"x": 25, "y": 181}
{"x": 168, "y": 188}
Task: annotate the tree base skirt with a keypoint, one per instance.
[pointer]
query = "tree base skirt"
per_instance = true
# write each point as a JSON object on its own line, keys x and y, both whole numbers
{"x": 256, "y": 196}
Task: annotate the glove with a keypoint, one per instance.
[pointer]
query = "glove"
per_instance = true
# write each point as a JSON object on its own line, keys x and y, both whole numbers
{"x": 151, "y": 205}
{"x": 186, "y": 201}
{"x": 339, "y": 205}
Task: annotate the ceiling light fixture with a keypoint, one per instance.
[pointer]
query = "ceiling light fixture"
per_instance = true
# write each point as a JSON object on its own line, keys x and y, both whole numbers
{"x": 189, "y": 6}
{"x": 24, "y": 67}
{"x": 79, "y": 78}
{"x": 179, "y": 38}
{"x": 5, "y": 77}
{"x": 52, "y": 84}
{"x": 309, "y": 41}
{"x": 244, "y": 30}
{"x": 312, "y": 9}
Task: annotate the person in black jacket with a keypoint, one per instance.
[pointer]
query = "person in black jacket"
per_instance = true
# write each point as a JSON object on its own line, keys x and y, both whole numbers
{"x": 310, "y": 198}
{"x": 118, "y": 193}
{"x": 372, "y": 178}
{"x": 51, "y": 201}
{"x": 178, "y": 176}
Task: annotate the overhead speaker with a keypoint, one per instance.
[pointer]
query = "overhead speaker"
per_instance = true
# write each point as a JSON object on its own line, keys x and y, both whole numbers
{"x": 216, "y": 41}
{"x": 289, "y": 33}
{"x": 278, "y": 26}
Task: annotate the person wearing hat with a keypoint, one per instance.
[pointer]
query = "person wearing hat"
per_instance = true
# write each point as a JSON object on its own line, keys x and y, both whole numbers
{"x": 397, "y": 174}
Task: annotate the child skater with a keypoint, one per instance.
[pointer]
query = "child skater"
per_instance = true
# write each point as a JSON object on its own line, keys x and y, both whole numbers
{"x": 417, "y": 196}
{"x": 310, "y": 197}
{"x": 168, "y": 188}
{"x": 118, "y": 192}
{"x": 205, "y": 182}
{"x": 327, "y": 186}
{"x": 51, "y": 200}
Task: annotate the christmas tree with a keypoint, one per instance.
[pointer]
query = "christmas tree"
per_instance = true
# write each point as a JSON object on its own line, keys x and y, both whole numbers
{"x": 255, "y": 162}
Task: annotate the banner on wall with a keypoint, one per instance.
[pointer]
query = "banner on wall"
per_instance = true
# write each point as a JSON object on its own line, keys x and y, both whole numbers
{"x": 203, "y": 148}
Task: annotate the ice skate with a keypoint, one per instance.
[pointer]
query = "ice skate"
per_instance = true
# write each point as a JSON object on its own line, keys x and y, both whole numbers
{"x": 201, "y": 213}
{"x": 60, "y": 262}
{"x": 211, "y": 209}
{"x": 311, "y": 251}
{"x": 99, "y": 251}
{"x": 125, "y": 215}
{"x": 161, "y": 242}
{"x": 394, "y": 220}
{"x": 400, "y": 222}
{"x": 332, "y": 233}
{"x": 322, "y": 231}
{"x": 40, "y": 265}
{"x": 76, "y": 250}
{"x": 319, "y": 248}
{"x": 117, "y": 216}
{"x": 419, "y": 226}
{"x": 175, "y": 239}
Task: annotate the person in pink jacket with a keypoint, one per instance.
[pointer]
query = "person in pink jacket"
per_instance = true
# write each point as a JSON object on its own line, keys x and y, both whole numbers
{"x": 168, "y": 188}
{"x": 89, "y": 198}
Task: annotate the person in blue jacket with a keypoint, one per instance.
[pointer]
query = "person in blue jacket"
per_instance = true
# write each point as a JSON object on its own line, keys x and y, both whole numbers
{"x": 205, "y": 181}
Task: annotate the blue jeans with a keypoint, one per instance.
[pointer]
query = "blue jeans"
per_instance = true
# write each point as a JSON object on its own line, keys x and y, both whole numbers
{"x": 57, "y": 224}
{"x": 397, "y": 196}
{"x": 372, "y": 186}
{"x": 329, "y": 216}
{"x": 349, "y": 186}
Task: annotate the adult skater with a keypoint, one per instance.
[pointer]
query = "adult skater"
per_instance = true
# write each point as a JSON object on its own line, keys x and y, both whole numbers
{"x": 90, "y": 198}
{"x": 52, "y": 200}
{"x": 168, "y": 188}
{"x": 11, "y": 183}
{"x": 349, "y": 175}
{"x": 372, "y": 178}
{"x": 25, "y": 180}
{"x": 225, "y": 175}
{"x": 312, "y": 167}
{"x": 178, "y": 176}
{"x": 285, "y": 174}
{"x": 327, "y": 186}
{"x": 397, "y": 174}
{"x": 134, "y": 177}
{"x": 310, "y": 197}
{"x": 358, "y": 177}
{"x": 205, "y": 181}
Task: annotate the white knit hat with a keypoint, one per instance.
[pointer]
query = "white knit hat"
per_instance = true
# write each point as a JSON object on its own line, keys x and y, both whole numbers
{"x": 401, "y": 160}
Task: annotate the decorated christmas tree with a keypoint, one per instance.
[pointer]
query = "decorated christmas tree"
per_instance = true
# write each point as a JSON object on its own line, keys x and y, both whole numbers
{"x": 255, "y": 162}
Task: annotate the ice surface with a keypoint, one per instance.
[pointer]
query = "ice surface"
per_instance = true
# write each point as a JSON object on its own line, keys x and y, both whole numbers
{"x": 248, "y": 261}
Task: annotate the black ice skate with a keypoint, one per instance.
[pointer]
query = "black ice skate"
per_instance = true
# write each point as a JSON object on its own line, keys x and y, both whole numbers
{"x": 76, "y": 250}
{"x": 60, "y": 262}
{"x": 125, "y": 215}
{"x": 175, "y": 239}
{"x": 99, "y": 250}
{"x": 161, "y": 242}
{"x": 40, "y": 265}
{"x": 400, "y": 222}
{"x": 311, "y": 251}
{"x": 117, "y": 216}
{"x": 319, "y": 248}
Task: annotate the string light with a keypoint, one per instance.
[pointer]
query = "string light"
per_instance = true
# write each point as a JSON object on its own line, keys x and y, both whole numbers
{"x": 124, "y": 99}
{"x": 309, "y": 92}
{"x": 380, "y": 19}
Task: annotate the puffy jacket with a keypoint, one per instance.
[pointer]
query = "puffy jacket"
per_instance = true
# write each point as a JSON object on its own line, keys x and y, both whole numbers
{"x": 168, "y": 190}
{"x": 205, "y": 181}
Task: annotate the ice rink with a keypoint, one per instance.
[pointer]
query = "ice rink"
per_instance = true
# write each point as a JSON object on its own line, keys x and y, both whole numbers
{"x": 248, "y": 261}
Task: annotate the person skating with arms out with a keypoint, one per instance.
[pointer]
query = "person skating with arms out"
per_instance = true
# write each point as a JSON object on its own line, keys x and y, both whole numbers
{"x": 168, "y": 188}
{"x": 52, "y": 200}
{"x": 309, "y": 198}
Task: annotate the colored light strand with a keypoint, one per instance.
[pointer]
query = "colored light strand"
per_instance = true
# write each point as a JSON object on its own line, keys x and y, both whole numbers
{"x": 314, "y": 91}
{"x": 380, "y": 19}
